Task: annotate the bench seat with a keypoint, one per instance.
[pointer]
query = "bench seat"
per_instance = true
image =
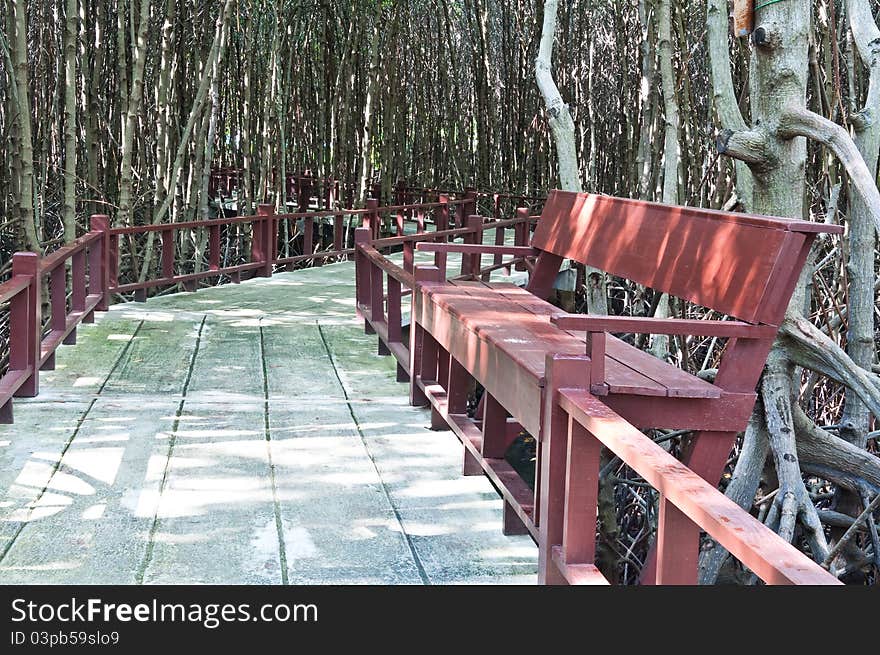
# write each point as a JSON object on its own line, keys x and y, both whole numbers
{"x": 518, "y": 323}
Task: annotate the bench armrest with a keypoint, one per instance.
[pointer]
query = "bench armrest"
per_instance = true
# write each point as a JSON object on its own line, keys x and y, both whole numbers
{"x": 477, "y": 249}
{"x": 648, "y": 325}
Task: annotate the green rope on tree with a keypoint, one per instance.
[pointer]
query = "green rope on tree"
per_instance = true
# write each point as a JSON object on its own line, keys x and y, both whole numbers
{"x": 767, "y": 4}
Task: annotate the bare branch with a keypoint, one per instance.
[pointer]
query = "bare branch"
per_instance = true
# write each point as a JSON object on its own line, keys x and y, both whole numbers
{"x": 809, "y": 347}
{"x": 795, "y": 121}
{"x": 719, "y": 62}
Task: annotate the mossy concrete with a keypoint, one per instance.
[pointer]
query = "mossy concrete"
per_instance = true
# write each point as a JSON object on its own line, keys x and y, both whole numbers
{"x": 244, "y": 434}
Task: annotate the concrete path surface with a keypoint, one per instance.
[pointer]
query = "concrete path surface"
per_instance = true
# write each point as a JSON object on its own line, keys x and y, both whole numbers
{"x": 244, "y": 434}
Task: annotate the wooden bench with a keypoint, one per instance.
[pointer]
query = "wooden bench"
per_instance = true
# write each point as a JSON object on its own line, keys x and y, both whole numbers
{"x": 525, "y": 352}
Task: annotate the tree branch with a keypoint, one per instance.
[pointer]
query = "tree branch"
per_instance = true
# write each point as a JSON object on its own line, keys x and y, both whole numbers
{"x": 749, "y": 146}
{"x": 811, "y": 348}
{"x": 723, "y": 93}
{"x": 795, "y": 121}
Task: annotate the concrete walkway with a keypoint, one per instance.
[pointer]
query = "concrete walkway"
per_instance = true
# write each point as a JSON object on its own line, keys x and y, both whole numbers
{"x": 245, "y": 434}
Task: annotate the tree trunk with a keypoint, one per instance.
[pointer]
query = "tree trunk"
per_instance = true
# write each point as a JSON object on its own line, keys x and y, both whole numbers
{"x": 862, "y": 239}
{"x": 25, "y": 198}
{"x": 372, "y": 91}
{"x": 562, "y": 127}
{"x": 70, "y": 37}
{"x": 126, "y": 181}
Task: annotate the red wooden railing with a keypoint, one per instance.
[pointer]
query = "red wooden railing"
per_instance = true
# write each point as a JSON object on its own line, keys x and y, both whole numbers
{"x": 89, "y": 269}
{"x": 31, "y": 348}
{"x": 381, "y": 285}
{"x": 686, "y": 499}
{"x": 263, "y": 231}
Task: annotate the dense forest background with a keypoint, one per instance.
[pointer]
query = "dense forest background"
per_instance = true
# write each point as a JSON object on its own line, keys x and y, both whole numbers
{"x": 438, "y": 92}
{"x": 126, "y": 107}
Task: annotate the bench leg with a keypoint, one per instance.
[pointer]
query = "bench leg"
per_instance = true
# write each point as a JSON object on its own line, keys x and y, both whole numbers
{"x": 402, "y": 375}
{"x": 383, "y": 348}
{"x": 495, "y": 434}
{"x": 457, "y": 387}
{"x": 443, "y": 367}
{"x": 512, "y": 524}
{"x": 6, "y": 413}
{"x": 424, "y": 352}
{"x": 70, "y": 339}
{"x": 438, "y": 423}
{"x": 471, "y": 465}
{"x": 49, "y": 364}
{"x": 581, "y": 496}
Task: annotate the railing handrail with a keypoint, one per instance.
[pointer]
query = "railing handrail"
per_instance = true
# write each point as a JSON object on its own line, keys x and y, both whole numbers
{"x": 234, "y": 220}
{"x": 14, "y": 286}
{"x": 397, "y": 272}
{"x": 54, "y": 259}
{"x": 98, "y": 251}
{"x": 769, "y": 556}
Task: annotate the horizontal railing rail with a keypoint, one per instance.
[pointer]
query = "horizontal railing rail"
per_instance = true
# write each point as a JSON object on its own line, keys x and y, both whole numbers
{"x": 263, "y": 231}
{"x": 81, "y": 277}
{"x": 688, "y": 504}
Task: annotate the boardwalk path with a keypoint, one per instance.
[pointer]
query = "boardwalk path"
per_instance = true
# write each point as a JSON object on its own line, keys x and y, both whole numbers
{"x": 246, "y": 434}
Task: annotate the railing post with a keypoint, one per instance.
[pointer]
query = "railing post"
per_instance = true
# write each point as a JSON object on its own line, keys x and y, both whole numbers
{"x": 442, "y": 224}
{"x": 263, "y": 227}
{"x": 470, "y": 207}
{"x": 101, "y": 262}
{"x": 499, "y": 236}
{"x": 581, "y": 496}
{"x": 58, "y": 306}
{"x": 470, "y": 264}
{"x": 168, "y": 253}
{"x": 395, "y": 328}
{"x": 25, "y": 324}
{"x": 362, "y": 275}
{"x": 371, "y": 218}
{"x": 309, "y": 237}
{"x": 214, "y": 248}
{"x": 78, "y": 288}
{"x": 521, "y": 232}
{"x": 377, "y": 303}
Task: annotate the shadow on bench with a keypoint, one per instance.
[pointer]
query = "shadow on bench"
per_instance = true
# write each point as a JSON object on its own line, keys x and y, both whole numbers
{"x": 566, "y": 380}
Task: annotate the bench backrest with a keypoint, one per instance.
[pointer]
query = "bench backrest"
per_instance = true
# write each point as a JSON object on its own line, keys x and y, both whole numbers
{"x": 742, "y": 265}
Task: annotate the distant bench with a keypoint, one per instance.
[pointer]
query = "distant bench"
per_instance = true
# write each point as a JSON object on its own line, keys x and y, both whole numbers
{"x": 567, "y": 381}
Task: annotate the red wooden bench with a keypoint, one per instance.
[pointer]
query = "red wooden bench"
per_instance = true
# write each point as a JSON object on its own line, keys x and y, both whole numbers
{"x": 566, "y": 380}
